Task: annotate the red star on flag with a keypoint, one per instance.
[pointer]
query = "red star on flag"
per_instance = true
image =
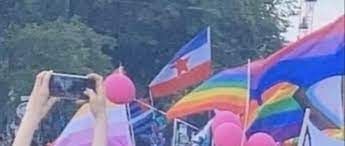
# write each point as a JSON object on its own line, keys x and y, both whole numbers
{"x": 181, "y": 66}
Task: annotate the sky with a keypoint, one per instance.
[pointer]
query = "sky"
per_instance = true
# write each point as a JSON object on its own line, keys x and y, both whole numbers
{"x": 325, "y": 12}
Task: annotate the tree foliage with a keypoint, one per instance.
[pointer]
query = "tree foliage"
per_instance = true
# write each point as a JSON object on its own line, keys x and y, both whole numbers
{"x": 65, "y": 46}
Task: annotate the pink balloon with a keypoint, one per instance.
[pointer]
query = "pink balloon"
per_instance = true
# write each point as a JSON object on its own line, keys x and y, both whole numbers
{"x": 261, "y": 139}
{"x": 227, "y": 134}
{"x": 119, "y": 88}
{"x": 225, "y": 117}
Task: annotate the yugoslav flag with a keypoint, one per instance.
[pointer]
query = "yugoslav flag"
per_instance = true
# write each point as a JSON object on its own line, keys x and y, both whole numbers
{"x": 190, "y": 65}
{"x": 79, "y": 131}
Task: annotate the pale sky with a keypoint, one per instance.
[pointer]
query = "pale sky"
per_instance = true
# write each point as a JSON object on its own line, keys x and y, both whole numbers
{"x": 325, "y": 12}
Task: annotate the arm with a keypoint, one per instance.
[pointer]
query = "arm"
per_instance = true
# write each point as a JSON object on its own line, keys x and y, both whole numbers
{"x": 98, "y": 109}
{"x": 38, "y": 106}
{"x": 100, "y": 132}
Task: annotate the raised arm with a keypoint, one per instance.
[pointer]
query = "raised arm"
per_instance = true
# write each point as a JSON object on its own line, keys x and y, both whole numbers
{"x": 38, "y": 106}
{"x": 98, "y": 109}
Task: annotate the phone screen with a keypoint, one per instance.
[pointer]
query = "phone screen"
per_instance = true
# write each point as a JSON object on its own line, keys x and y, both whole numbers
{"x": 69, "y": 86}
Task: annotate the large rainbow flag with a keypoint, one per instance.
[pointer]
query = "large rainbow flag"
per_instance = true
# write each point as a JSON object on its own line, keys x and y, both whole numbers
{"x": 226, "y": 90}
{"x": 303, "y": 63}
{"x": 79, "y": 131}
{"x": 317, "y": 56}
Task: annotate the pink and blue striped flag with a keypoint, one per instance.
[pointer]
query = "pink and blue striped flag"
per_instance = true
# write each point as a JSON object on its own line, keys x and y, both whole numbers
{"x": 79, "y": 131}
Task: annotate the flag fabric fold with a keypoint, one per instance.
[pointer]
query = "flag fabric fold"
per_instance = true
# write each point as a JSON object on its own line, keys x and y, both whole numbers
{"x": 317, "y": 56}
{"x": 281, "y": 116}
{"x": 312, "y": 136}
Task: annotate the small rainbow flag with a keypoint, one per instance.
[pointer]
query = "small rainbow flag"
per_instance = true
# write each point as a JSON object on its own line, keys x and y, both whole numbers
{"x": 280, "y": 116}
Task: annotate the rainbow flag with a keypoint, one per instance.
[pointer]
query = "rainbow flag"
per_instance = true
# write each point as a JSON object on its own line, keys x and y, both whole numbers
{"x": 79, "y": 131}
{"x": 309, "y": 60}
{"x": 303, "y": 63}
{"x": 281, "y": 116}
{"x": 225, "y": 91}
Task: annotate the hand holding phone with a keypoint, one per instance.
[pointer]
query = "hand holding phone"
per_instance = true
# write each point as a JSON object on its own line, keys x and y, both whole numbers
{"x": 69, "y": 86}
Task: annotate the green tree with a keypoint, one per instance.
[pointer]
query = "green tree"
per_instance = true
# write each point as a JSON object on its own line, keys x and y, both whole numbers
{"x": 149, "y": 32}
{"x": 64, "y": 46}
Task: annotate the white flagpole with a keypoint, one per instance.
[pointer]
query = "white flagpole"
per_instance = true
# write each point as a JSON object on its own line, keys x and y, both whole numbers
{"x": 246, "y": 112}
{"x": 174, "y": 133}
{"x": 304, "y": 127}
{"x": 130, "y": 124}
{"x": 151, "y": 98}
{"x": 343, "y": 94}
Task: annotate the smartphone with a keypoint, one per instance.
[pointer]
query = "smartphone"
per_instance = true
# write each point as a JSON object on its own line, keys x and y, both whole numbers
{"x": 68, "y": 86}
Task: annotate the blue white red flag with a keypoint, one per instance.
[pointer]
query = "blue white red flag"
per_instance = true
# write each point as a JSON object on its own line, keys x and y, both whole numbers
{"x": 190, "y": 65}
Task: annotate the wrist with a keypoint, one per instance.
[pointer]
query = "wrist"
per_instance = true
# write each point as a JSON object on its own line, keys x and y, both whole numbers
{"x": 32, "y": 120}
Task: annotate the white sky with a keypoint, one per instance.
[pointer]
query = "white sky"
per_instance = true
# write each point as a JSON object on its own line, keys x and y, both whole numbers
{"x": 326, "y": 11}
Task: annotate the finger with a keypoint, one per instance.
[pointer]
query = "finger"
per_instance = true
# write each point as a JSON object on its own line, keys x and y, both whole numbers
{"x": 96, "y": 77}
{"x": 98, "y": 81}
{"x": 39, "y": 78}
{"x": 52, "y": 101}
{"x": 46, "y": 79}
{"x": 80, "y": 102}
{"x": 90, "y": 93}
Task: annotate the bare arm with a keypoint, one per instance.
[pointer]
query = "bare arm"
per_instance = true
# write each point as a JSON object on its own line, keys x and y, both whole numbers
{"x": 98, "y": 109}
{"x": 38, "y": 106}
{"x": 100, "y": 132}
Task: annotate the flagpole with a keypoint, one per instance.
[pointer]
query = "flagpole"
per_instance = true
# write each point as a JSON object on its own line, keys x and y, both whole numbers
{"x": 342, "y": 90}
{"x": 151, "y": 98}
{"x": 246, "y": 112}
{"x": 304, "y": 127}
{"x": 130, "y": 124}
{"x": 174, "y": 133}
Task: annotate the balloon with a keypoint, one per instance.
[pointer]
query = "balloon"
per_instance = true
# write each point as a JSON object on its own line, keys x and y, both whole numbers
{"x": 225, "y": 117}
{"x": 119, "y": 88}
{"x": 261, "y": 139}
{"x": 227, "y": 134}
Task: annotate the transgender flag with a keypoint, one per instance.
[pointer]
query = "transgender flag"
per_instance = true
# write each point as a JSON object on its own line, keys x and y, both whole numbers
{"x": 190, "y": 65}
{"x": 79, "y": 131}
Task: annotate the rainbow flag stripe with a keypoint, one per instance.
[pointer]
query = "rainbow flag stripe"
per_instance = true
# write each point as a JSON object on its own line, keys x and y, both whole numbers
{"x": 336, "y": 133}
{"x": 225, "y": 91}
